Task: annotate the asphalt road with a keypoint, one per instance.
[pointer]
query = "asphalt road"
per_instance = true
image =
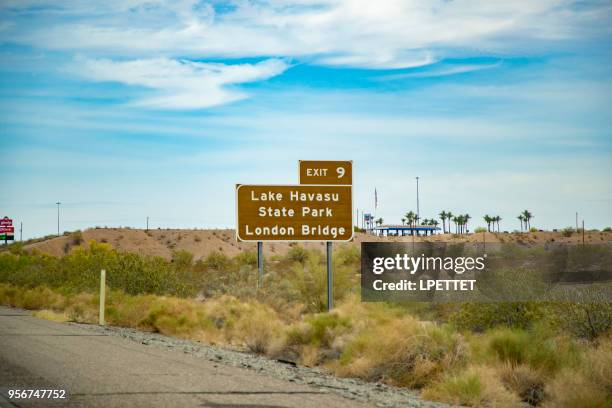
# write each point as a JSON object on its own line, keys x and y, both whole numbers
{"x": 98, "y": 370}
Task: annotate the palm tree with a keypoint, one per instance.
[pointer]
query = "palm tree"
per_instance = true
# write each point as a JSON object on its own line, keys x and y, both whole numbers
{"x": 456, "y": 220}
{"x": 466, "y": 219}
{"x": 497, "y": 220}
{"x": 443, "y": 218}
{"x": 488, "y": 220}
{"x": 379, "y": 221}
{"x": 410, "y": 218}
{"x": 449, "y": 217}
{"x": 403, "y": 221}
{"x": 434, "y": 223}
{"x": 521, "y": 219}
{"x": 528, "y": 216}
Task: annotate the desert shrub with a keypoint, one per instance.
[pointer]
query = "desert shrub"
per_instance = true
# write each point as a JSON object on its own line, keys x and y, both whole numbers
{"x": 182, "y": 259}
{"x": 297, "y": 253}
{"x": 480, "y": 229}
{"x": 51, "y": 315}
{"x": 571, "y": 391}
{"x": 607, "y": 229}
{"x": 532, "y": 348}
{"x": 348, "y": 255}
{"x": 524, "y": 381}
{"x": 16, "y": 248}
{"x": 247, "y": 258}
{"x": 76, "y": 238}
{"x": 318, "y": 330}
{"x": 567, "y": 232}
{"x": 482, "y": 316}
{"x": 217, "y": 260}
{"x": 80, "y": 271}
{"x": 477, "y": 386}
{"x": 584, "y": 320}
{"x": 258, "y": 329}
{"x": 404, "y": 352}
{"x": 307, "y": 281}
{"x": 587, "y": 385}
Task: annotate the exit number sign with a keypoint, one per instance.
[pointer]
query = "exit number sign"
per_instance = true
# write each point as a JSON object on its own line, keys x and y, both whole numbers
{"x": 326, "y": 172}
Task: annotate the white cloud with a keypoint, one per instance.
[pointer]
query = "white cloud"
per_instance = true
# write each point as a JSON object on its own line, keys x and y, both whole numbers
{"x": 361, "y": 33}
{"x": 180, "y": 84}
{"x": 440, "y": 71}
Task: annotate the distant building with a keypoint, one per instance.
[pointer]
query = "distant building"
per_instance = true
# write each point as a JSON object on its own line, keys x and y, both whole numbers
{"x": 401, "y": 230}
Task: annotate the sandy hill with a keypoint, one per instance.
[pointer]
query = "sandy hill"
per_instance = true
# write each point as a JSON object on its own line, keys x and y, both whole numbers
{"x": 162, "y": 242}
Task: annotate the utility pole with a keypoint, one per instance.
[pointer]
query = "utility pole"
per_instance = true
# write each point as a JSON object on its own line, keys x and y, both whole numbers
{"x": 418, "y": 212}
{"x": 58, "y": 205}
{"x": 147, "y": 223}
{"x": 576, "y": 221}
{"x": 21, "y": 231}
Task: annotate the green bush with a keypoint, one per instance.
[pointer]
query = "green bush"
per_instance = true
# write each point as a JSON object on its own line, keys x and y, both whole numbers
{"x": 584, "y": 320}
{"x": 80, "y": 271}
{"x": 479, "y": 317}
{"x": 76, "y": 238}
{"x": 567, "y": 232}
{"x": 247, "y": 258}
{"x": 297, "y": 254}
{"x": 534, "y": 348}
{"x": 217, "y": 260}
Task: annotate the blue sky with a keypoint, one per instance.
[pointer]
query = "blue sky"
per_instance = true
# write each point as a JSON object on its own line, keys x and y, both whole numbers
{"x": 130, "y": 109}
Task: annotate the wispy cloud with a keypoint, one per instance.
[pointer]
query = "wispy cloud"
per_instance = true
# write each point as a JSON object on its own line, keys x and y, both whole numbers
{"x": 180, "y": 84}
{"x": 356, "y": 33}
{"x": 440, "y": 71}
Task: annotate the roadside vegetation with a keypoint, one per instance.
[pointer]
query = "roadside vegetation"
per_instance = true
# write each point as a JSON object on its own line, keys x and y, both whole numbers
{"x": 481, "y": 355}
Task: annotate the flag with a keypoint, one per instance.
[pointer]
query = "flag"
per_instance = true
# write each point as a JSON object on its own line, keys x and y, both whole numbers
{"x": 375, "y": 199}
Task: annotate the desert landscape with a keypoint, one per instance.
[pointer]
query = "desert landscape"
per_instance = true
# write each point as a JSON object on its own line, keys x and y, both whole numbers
{"x": 200, "y": 243}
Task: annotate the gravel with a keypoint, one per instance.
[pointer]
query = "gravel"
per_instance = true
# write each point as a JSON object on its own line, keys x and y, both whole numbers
{"x": 378, "y": 394}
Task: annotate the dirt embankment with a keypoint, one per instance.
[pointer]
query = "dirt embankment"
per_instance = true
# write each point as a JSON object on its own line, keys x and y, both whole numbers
{"x": 163, "y": 242}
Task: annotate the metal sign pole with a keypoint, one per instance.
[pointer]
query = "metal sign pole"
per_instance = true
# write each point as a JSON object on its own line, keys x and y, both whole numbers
{"x": 102, "y": 296}
{"x": 260, "y": 263}
{"x": 330, "y": 278}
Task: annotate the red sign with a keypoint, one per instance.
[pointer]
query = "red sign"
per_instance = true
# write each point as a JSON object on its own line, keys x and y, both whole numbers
{"x": 4, "y": 230}
{"x": 6, "y": 222}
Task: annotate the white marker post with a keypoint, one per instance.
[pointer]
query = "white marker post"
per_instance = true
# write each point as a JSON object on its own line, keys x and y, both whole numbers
{"x": 102, "y": 295}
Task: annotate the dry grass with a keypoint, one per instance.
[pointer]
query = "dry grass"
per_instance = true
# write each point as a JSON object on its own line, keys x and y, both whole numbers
{"x": 51, "y": 315}
{"x": 524, "y": 381}
{"x": 373, "y": 341}
{"x": 587, "y": 386}
{"x": 476, "y": 386}
{"x": 403, "y": 351}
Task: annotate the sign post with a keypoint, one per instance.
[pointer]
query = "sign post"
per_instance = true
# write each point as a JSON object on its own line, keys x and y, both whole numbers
{"x": 260, "y": 263}
{"x": 320, "y": 208}
{"x": 7, "y": 231}
{"x": 294, "y": 213}
{"x": 330, "y": 278}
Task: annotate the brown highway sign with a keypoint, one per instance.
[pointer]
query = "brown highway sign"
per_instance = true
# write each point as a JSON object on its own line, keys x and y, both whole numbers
{"x": 294, "y": 213}
{"x": 326, "y": 172}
